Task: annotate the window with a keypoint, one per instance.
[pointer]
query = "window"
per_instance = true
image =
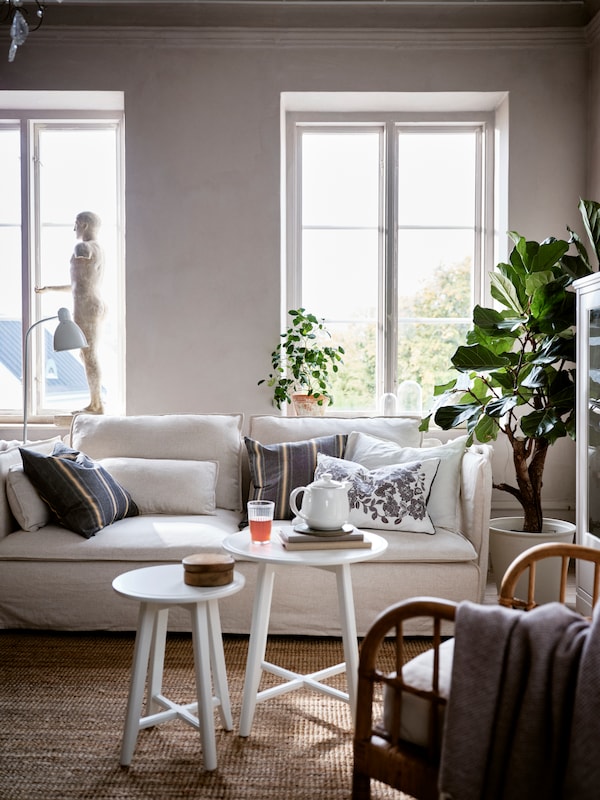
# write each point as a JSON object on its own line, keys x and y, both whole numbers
{"x": 388, "y": 229}
{"x": 52, "y": 167}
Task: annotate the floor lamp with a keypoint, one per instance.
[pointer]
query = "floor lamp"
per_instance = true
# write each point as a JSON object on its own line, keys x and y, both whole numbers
{"x": 67, "y": 336}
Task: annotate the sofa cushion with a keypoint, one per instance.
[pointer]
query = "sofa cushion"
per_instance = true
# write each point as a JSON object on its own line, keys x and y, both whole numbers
{"x": 152, "y": 538}
{"x": 9, "y": 458}
{"x": 81, "y": 494}
{"x": 389, "y": 498}
{"x": 167, "y": 486}
{"x": 273, "y": 429}
{"x": 443, "y": 504}
{"x": 200, "y": 437}
{"x": 277, "y": 469}
{"x": 27, "y": 506}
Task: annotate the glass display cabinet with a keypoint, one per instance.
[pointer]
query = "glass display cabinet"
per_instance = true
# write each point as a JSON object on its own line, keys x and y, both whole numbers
{"x": 588, "y": 429}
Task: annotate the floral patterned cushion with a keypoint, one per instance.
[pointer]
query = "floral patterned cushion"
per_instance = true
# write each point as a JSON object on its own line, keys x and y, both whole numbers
{"x": 390, "y": 498}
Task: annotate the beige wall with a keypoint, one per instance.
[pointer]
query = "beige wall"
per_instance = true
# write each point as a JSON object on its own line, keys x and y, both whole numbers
{"x": 202, "y": 117}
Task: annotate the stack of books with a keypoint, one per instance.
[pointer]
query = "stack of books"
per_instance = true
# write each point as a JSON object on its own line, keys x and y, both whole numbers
{"x": 332, "y": 540}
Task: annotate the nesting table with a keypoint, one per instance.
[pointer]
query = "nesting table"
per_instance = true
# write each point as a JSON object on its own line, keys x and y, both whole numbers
{"x": 157, "y": 589}
{"x": 271, "y": 556}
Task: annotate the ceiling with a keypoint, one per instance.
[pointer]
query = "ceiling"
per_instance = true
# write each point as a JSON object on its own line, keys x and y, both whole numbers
{"x": 439, "y": 14}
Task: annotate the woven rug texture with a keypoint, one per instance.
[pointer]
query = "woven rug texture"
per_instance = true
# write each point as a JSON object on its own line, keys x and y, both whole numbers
{"x": 62, "y": 709}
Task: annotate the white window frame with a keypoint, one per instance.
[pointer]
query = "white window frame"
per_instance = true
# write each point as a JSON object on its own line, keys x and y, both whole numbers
{"x": 30, "y": 121}
{"x": 486, "y": 244}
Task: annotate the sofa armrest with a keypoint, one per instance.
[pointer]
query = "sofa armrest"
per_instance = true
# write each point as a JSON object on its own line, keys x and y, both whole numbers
{"x": 476, "y": 498}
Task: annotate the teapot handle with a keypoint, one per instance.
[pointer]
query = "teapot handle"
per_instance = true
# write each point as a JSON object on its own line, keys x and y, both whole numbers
{"x": 293, "y": 506}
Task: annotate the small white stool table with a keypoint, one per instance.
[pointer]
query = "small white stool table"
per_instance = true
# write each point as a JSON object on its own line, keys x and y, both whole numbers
{"x": 272, "y": 555}
{"x": 157, "y": 589}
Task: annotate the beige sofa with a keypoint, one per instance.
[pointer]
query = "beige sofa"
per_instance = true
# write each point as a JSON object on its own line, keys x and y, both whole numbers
{"x": 56, "y": 579}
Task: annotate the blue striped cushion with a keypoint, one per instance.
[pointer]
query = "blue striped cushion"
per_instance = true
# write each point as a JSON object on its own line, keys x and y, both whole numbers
{"x": 276, "y": 469}
{"x": 82, "y": 495}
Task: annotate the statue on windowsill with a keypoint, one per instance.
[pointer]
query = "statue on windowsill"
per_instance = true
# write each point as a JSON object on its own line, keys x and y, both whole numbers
{"x": 89, "y": 310}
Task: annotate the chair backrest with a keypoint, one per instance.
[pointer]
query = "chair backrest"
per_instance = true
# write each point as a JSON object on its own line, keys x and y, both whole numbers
{"x": 529, "y": 561}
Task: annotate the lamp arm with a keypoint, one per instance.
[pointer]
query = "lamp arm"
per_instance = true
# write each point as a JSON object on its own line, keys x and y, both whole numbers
{"x": 26, "y": 373}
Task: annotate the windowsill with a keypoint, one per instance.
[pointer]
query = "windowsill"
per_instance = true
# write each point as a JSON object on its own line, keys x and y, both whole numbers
{"x": 35, "y": 431}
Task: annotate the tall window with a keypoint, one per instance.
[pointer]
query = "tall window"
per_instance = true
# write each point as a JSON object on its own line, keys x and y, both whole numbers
{"x": 50, "y": 170}
{"x": 386, "y": 242}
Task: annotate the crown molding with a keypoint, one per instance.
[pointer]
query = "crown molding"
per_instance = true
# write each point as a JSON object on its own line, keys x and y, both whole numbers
{"x": 592, "y": 31}
{"x": 405, "y": 39}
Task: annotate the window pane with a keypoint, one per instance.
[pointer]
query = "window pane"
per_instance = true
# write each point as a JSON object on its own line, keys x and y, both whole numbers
{"x": 11, "y": 392}
{"x": 436, "y": 179}
{"x": 78, "y": 172}
{"x": 435, "y": 273}
{"x": 399, "y": 300}
{"x": 424, "y": 353}
{"x": 340, "y": 179}
{"x": 335, "y": 264}
{"x": 354, "y": 387}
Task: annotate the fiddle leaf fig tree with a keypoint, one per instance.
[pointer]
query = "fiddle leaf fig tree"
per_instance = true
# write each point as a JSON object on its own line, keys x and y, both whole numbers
{"x": 517, "y": 368}
{"x": 302, "y": 361}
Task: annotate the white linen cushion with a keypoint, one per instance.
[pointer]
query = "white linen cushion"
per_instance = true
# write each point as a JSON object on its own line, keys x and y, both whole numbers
{"x": 443, "y": 503}
{"x": 274, "y": 429}
{"x": 389, "y": 498}
{"x": 418, "y": 673}
{"x": 167, "y": 486}
{"x": 27, "y": 506}
{"x": 199, "y": 437}
{"x": 24, "y": 505}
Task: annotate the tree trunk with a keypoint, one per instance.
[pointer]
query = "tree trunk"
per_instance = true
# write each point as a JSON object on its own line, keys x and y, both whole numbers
{"x": 529, "y": 475}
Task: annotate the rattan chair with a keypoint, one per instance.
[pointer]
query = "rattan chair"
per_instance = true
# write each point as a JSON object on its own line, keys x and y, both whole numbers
{"x": 399, "y": 749}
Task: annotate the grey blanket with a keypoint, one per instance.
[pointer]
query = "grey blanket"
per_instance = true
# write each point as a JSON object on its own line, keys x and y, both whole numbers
{"x": 519, "y": 681}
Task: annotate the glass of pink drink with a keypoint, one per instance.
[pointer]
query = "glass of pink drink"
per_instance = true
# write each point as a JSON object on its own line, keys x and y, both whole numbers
{"x": 260, "y": 520}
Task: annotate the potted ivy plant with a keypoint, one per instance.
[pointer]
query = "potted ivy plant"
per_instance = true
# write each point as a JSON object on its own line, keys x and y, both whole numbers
{"x": 517, "y": 368}
{"x": 302, "y": 365}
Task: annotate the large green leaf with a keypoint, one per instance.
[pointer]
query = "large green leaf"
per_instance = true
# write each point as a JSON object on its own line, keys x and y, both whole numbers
{"x": 535, "y": 379}
{"x": 503, "y": 290}
{"x": 548, "y": 254}
{"x": 452, "y": 416}
{"x": 501, "y": 406}
{"x": 479, "y": 358}
{"x": 590, "y": 213}
{"x": 486, "y": 429}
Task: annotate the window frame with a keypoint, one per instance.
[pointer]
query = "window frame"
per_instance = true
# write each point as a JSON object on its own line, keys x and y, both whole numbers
{"x": 30, "y": 122}
{"x": 483, "y": 123}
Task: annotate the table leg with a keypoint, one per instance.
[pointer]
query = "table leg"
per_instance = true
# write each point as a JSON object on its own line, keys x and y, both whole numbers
{"x": 206, "y": 717}
{"x": 141, "y": 653}
{"x": 257, "y": 644}
{"x": 348, "y": 626}
{"x": 218, "y": 664}
{"x": 157, "y": 661}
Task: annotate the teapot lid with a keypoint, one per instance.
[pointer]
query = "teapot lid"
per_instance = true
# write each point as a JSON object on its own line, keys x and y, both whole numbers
{"x": 326, "y": 481}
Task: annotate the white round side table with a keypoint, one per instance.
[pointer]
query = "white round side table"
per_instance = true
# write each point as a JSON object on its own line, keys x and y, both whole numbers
{"x": 269, "y": 557}
{"x": 157, "y": 589}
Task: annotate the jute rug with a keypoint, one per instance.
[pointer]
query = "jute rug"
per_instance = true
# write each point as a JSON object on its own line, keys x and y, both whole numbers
{"x": 62, "y": 708}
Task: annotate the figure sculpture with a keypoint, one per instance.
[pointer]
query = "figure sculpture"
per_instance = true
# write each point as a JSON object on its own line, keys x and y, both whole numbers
{"x": 89, "y": 310}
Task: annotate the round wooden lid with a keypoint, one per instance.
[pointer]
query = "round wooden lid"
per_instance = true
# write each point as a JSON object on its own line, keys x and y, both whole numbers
{"x": 207, "y": 562}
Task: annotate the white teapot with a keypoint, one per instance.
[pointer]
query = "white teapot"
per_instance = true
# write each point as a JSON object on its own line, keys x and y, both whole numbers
{"x": 325, "y": 504}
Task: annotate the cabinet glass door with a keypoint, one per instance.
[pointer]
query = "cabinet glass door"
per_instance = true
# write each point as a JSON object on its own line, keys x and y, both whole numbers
{"x": 593, "y": 431}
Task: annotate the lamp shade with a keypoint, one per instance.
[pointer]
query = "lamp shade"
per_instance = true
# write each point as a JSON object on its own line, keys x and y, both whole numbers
{"x": 68, "y": 335}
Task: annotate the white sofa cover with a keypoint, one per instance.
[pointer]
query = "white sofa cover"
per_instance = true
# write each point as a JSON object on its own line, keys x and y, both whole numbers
{"x": 53, "y": 578}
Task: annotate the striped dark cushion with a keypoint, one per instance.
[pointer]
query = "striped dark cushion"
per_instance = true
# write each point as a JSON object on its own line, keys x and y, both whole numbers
{"x": 82, "y": 495}
{"x": 276, "y": 469}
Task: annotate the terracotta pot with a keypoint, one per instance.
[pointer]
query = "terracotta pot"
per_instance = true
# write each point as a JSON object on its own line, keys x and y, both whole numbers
{"x": 508, "y": 540}
{"x": 307, "y": 405}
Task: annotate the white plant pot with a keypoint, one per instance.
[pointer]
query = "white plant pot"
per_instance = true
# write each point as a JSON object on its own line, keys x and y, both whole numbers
{"x": 508, "y": 540}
